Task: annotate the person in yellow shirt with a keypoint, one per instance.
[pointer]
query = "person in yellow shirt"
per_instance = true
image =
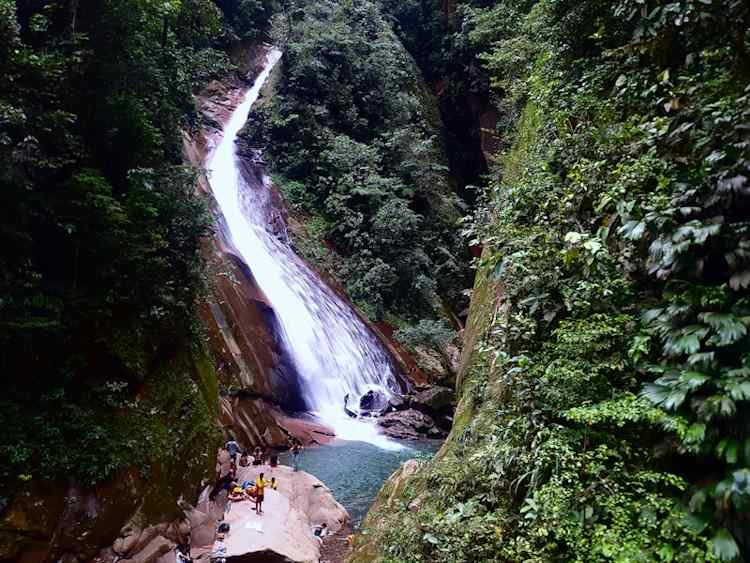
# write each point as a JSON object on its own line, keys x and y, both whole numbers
{"x": 260, "y": 485}
{"x": 273, "y": 484}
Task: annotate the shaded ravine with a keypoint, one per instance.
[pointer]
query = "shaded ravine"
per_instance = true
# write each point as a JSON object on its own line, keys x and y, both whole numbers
{"x": 333, "y": 351}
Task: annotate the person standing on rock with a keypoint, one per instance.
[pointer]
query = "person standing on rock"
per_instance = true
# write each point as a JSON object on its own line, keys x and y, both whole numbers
{"x": 233, "y": 448}
{"x": 260, "y": 485}
{"x": 296, "y": 453}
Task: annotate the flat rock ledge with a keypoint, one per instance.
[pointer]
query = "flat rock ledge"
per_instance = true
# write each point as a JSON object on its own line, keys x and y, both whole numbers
{"x": 282, "y": 534}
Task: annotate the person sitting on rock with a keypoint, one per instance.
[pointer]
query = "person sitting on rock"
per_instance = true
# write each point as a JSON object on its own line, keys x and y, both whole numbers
{"x": 259, "y": 488}
{"x": 237, "y": 494}
{"x": 244, "y": 461}
{"x": 225, "y": 482}
{"x": 219, "y": 551}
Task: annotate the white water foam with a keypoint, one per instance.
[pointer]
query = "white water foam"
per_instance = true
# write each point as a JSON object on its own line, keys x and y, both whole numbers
{"x": 334, "y": 352}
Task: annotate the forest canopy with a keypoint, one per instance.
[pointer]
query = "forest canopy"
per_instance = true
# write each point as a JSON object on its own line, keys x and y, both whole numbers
{"x": 99, "y": 222}
{"x": 353, "y": 134}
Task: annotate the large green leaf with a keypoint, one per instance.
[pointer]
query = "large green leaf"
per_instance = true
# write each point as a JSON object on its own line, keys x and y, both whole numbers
{"x": 693, "y": 379}
{"x": 728, "y": 328}
{"x": 686, "y": 340}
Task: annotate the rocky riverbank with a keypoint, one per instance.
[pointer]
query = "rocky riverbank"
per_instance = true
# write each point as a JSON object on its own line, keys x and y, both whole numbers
{"x": 282, "y": 533}
{"x": 425, "y": 411}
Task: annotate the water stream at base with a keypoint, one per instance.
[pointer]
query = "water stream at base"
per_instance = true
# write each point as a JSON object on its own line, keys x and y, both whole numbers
{"x": 355, "y": 471}
{"x": 333, "y": 351}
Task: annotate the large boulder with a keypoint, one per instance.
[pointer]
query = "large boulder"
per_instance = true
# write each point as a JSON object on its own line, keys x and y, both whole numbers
{"x": 409, "y": 424}
{"x": 397, "y": 402}
{"x": 433, "y": 399}
{"x": 373, "y": 402}
{"x": 283, "y": 533}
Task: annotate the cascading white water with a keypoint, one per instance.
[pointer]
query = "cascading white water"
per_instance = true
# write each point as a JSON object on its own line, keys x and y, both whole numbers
{"x": 334, "y": 352}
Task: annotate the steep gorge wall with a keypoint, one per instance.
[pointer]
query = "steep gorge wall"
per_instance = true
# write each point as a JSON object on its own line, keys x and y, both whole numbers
{"x": 589, "y": 426}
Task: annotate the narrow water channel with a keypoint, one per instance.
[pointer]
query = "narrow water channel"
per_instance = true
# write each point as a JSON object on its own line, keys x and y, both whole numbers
{"x": 355, "y": 471}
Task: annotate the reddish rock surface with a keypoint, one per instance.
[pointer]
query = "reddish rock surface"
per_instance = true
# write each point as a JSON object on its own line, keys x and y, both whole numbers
{"x": 255, "y": 383}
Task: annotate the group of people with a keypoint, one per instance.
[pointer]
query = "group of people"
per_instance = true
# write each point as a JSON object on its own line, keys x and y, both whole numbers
{"x": 247, "y": 491}
{"x": 252, "y": 491}
{"x": 260, "y": 455}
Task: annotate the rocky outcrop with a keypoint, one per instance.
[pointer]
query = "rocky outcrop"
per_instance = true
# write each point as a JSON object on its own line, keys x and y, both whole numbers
{"x": 282, "y": 533}
{"x": 409, "y": 424}
{"x": 425, "y": 412}
{"x": 261, "y": 422}
{"x": 435, "y": 399}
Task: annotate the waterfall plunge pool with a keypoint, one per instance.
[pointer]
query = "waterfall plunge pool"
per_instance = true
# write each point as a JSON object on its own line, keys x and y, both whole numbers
{"x": 334, "y": 352}
{"x": 355, "y": 471}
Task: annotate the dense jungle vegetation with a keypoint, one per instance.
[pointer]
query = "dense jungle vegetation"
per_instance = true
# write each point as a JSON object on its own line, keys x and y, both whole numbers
{"x": 100, "y": 231}
{"x": 354, "y": 138}
{"x": 604, "y": 392}
{"x": 604, "y": 404}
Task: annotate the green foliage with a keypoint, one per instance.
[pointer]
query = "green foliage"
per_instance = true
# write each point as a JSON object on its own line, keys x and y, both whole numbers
{"x": 426, "y": 332}
{"x": 604, "y": 414}
{"x": 248, "y": 19}
{"x": 350, "y": 129}
{"x": 101, "y": 228}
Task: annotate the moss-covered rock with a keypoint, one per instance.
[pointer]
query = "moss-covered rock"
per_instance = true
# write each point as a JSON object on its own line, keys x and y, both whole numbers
{"x": 169, "y": 433}
{"x": 563, "y": 447}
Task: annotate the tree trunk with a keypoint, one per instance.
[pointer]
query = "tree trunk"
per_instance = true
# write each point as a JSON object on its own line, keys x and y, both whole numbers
{"x": 72, "y": 14}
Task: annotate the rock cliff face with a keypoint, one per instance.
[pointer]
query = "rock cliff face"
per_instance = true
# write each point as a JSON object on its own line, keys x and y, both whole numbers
{"x": 58, "y": 521}
{"x": 257, "y": 380}
{"x": 412, "y": 491}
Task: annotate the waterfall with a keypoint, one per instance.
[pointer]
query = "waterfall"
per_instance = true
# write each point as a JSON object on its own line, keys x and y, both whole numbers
{"x": 334, "y": 352}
